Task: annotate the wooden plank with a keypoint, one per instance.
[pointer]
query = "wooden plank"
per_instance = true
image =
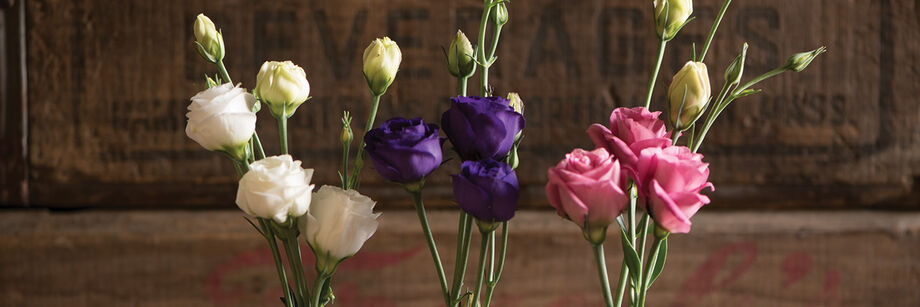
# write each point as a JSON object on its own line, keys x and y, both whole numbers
{"x": 13, "y": 110}
{"x": 205, "y": 258}
{"x": 841, "y": 134}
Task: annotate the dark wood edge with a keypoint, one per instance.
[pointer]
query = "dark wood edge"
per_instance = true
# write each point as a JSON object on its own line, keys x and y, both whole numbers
{"x": 14, "y": 166}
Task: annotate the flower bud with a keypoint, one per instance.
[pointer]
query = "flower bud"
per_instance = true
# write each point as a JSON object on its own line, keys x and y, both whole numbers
{"x": 690, "y": 89}
{"x": 209, "y": 41}
{"x": 499, "y": 14}
{"x": 670, "y": 16}
{"x": 347, "y": 135}
{"x": 799, "y": 61}
{"x": 734, "y": 71}
{"x": 283, "y": 86}
{"x": 220, "y": 119}
{"x": 381, "y": 61}
{"x": 516, "y": 102}
{"x": 460, "y": 57}
{"x": 337, "y": 225}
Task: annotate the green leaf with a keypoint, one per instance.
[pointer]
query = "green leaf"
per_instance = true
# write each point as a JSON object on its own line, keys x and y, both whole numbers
{"x": 630, "y": 256}
{"x": 747, "y": 92}
{"x": 659, "y": 262}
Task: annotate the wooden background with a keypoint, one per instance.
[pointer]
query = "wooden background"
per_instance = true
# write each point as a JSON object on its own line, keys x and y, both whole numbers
{"x": 817, "y": 177}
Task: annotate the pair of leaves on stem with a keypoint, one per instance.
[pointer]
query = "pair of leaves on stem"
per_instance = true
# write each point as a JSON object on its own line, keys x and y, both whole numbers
{"x": 633, "y": 262}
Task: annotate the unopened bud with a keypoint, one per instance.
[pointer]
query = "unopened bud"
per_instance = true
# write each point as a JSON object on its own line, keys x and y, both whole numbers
{"x": 734, "y": 71}
{"x": 460, "y": 57}
{"x": 347, "y": 135}
{"x": 499, "y": 14}
{"x": 381, "y": 61}
{"x": 799, "y": 61}
{"x": 516, "y": 102}
{"x": 688, "y": 94}
{"x": 670, "y": 16}
{"x": 283, "y": 86}
{"x": 209, "y": 41}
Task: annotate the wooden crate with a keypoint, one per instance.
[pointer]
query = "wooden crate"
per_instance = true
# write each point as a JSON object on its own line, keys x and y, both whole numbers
{"x": 214, "y": 258}
{"x": 108, "y": 83}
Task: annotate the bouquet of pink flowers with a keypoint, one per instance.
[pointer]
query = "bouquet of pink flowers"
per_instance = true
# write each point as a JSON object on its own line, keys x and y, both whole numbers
{"x": 638, "y": 163}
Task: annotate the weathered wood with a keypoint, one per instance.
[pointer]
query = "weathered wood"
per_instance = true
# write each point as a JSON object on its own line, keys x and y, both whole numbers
{"x": 13, "y": 118}
{"x": 110, "y": 83}
{"x": 214, "y": 258}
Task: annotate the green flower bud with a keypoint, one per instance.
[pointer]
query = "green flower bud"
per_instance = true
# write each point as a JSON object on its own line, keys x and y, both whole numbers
{"x": 516, "y": 102}
{"x": 282, "y": 86}
{"x": 347, "y": 135}
{"x": 670, "y": 16}
{"x": 690, "y": 89}
{"x": 209, "y": 41}
{"x": 499, "y": 14}
{"x": 734, "y": 71}
{"x": 460, "y": 57}
{"x": 799, "y": 61}
{"x": 381, "y": 61}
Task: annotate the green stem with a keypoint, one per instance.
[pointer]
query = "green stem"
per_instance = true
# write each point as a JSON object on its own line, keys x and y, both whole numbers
{"x": 292, "y": 247}
{"x": 282, "y": 132}
{"x": 359, "y": 158}
{"x": 653, "y": 257}
{"x": 651, "y": 82}
{"x": 318, "y": 289}
{"x": 258, "y": 151}
{"x": 602, "y": 273}
{"x": 643, "y": 232}
{"x": 423, "y": 219}
{"x": 461, "y": 85}
{"x": 501, "y": 265}
{"x": 711, "y": 117}
{"x": 463, "y": 253}
{"x": 346, "y": 151}
{"x": 481, "y": 55}
{"x": 279, "y": 264}
{"x": 223, "y": 72}
{"x": 621, "y": 284}
{"x": 712, "y": 31}
{"x": 483, "y": 250}
{"x": 758, "y": 79}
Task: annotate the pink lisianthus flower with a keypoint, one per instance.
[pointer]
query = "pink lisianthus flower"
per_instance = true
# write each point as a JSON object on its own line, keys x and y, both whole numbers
{"x": 631, "y": 130}
{"x": 671, "y": 180}
{"x": 588, "y": 188}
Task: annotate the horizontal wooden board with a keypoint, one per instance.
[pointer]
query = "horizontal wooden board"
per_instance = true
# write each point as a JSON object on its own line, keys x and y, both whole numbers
{"x": 109, "y": 83}
{"x": 214, "y": 258}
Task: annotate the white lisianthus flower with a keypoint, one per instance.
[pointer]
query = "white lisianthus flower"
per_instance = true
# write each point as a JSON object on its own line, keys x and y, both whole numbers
{"x": 220, "y": 118}
{"x": 338, "y": 224}
{"x": 283, "y": 86}
{"x": 274, "y": 188}
{"x": 381, "y": 61}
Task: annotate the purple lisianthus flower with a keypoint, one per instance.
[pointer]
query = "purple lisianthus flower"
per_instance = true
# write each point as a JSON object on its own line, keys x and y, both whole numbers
{"x": 481, "y": 127}
{"x": 487, "y": 189}
{"x": 404, "y": 150}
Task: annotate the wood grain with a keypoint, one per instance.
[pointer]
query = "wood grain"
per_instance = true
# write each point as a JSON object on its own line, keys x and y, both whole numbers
{"x": 109, "y": 83}
{"x": 13, "y": 109}
{"x": 213, "y": 258}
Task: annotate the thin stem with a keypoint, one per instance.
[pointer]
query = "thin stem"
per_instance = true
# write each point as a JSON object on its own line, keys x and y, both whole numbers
{"x": 653, "y": 257}
{"x": 292, "y": 247}
{"x": 643, "y": 232}
{"x": 461, "y": 85}
{"x": 423, "y": 219}
{"x": 282, "y": 132}
{"x": 602, "y": 273}
{"x": 318, "y": 289}
{"x": 346, "y": 151}
{"x": 223, "y": 72}
{"x": 758, "y": 79}
{"x": 711, "y": 117}
{"x": 279, "y": 264}
{"x": 715, "y": 26}
{"x": 483, "y": 250}
{"x": 258, "y": 151}
{"x": 651, "y": 82}
{"x": 621, "y": 284}
{"x": 359, "y": 158}
{"x": 501, "y": 265}
{"x": 482, "y": 50}
{"x": 463, "y": 254}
